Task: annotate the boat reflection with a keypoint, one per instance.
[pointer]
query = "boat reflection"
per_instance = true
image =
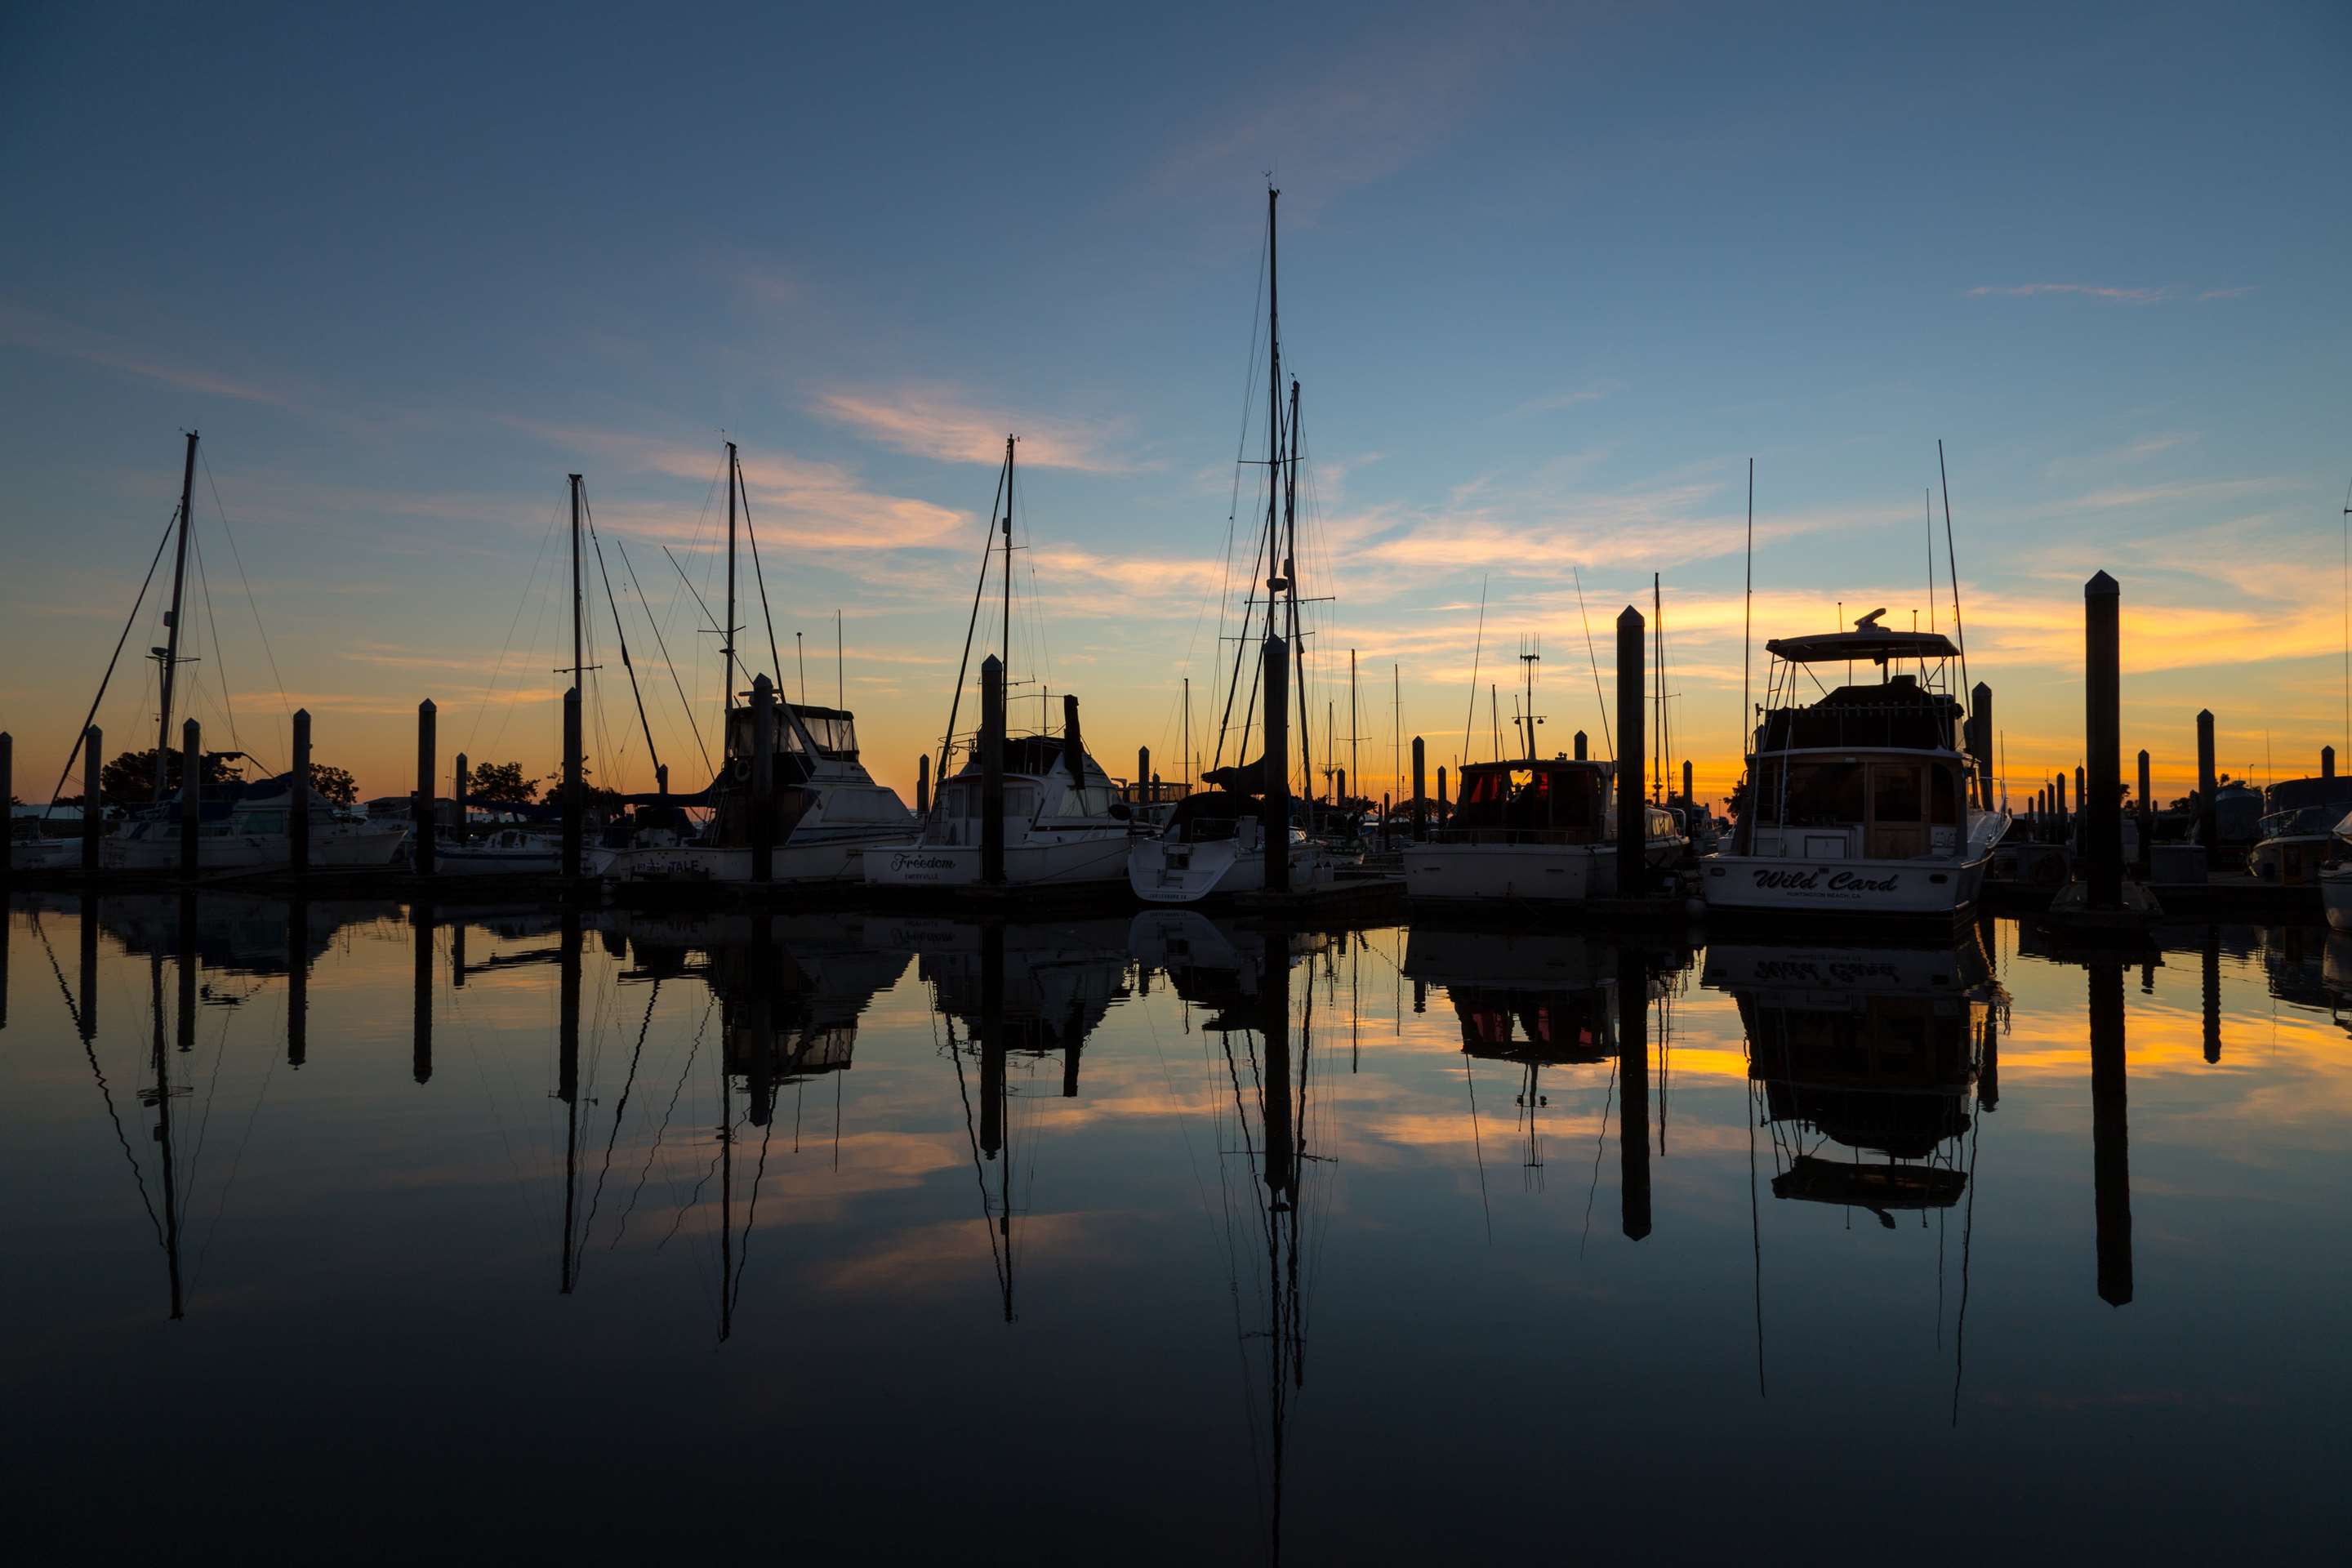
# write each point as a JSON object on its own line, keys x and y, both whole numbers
{"x": 1878, "y": 1050}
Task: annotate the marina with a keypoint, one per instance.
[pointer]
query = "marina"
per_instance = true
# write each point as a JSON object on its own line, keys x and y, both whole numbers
{"x": 876, "y": 1184}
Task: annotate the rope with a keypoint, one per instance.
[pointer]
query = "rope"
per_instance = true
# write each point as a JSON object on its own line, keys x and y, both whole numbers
{"x": 279, "y": 680}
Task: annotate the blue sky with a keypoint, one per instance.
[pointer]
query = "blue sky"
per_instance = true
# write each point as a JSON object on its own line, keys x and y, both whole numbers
{"x": 1550, "y": 277}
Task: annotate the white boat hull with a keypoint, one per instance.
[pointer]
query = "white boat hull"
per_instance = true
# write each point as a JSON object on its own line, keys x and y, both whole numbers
{"x": 451, "y": 861}
{"x": 337, "y": 847}
{"x": 2335, "y": 895}
{"x": 1830, "y": 885}
{"x": 1047, "y": 859}
{"x": 1162, "y": 872}
{"x": 832, "y": 858}
{"x": 1545, "y": 872}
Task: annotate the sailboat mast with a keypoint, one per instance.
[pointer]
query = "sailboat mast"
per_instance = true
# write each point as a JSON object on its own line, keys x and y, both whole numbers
{"x": 578, "y": 660}
{"x": 727, "y": 632}
{"x": 1007, "y": 643}
{"x": 1355, "y": 740}
{"x": 172, "y": 624}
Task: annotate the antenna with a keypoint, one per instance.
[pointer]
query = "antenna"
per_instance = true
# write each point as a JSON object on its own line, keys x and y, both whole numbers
{"x": 1531, "y": 655}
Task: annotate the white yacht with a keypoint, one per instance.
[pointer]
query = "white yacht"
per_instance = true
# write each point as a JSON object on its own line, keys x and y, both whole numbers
{"x": 510, "y": 851}
{"x": 1859, "y": 802}
{"x": 1064, "y": 824}
{"x": 2297, "y": 832}
{"x": 829, "y": 810}
{"x": 1532, "y": 830}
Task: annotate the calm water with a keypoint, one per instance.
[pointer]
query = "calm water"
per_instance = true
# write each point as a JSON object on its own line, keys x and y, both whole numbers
{"x": 347, "y": 1233}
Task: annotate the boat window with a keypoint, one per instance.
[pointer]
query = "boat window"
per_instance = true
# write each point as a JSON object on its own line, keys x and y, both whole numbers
{"x": 1948, "y": 797}
{"x": 1894, "y": 792}
{"x": 1766, "y": 804}
{"x": 1824, "y": 793}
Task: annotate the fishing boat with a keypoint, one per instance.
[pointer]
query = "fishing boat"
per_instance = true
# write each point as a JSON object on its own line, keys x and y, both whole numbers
{"x": 1062, "y": 822}
{"x": 1532, "y": 830}
{"x": 1860, "y": 803}
{"x": 1223, "y": 841}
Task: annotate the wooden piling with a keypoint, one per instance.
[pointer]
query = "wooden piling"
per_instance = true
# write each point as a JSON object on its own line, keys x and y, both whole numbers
{"x": 425, "y": 787}
{"x": 923, "y": 785}
{"x": 2110, "y": 1134}
{"x": 2058, "y": 802}
{"x": 1420, "y": 794}
{"x": 1445, "y": 802}
{"x": 94, "y": 808}
{"x": 1632, "y": 812}
{"x": 2147, "y": 818}
{"x": 1687, "y": 797}
{"x": 192, "y": 799}
{"x": 575, "y": 804}
{"x": 1580, "y": 744}
{"x": 457, "y": 798}
{"x": 2211, "y": 993}
{"x": 1276, "y": 823}
{"x": 992, "y": 772}
{"x": 2101, "y": 794}
{"x": 420, "y": 1049}
{"x": 1143, "y": 793}
{"x": 1981, "y": 716}
{"x": 7, "y": 785}
{"x": 1633, "y": 1088}
{"x": 2209, "y": 821}
{"x": 298, "y": 798}
{"x": 2327, "y": 762}
{"x": 763, "y": 783}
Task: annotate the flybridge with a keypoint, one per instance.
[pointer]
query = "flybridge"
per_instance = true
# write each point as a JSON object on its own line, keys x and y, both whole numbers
{"x": 1868, "y": 644}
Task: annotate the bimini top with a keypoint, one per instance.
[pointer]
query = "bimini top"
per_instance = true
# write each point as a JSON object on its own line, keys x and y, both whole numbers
{"x": 1868, "y": 644}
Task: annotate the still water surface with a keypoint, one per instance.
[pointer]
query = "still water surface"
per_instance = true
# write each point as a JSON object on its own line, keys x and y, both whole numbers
{"x": 352, "y": 1231}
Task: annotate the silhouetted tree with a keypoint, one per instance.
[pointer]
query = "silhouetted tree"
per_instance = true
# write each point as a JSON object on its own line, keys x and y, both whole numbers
{"x": 336, "y": 783}
{"x": 500, "y": 784}
{"x": 130, "y": 779}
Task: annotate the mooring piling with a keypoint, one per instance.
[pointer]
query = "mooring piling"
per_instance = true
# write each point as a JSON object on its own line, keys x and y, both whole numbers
{"x": 2147, "y": 818}
{"x": 1632, "y": 812}
{"x": 2103, "y": 736}
{"x": 298, "y": 798}
{"x": 192, "y": 798}
{"x": 991, "y": 771}
{"x": 94, "y": 808}
{"x": 923, "y": 785}
{"x": 424, "y": 801}
{"x": 2110, "y": 1133}
{"x": 1420, "y": 793}
{"x": 764, "y": 780}
{"x": 2209, "y": 819}
{"x": 1633, "y": 1087}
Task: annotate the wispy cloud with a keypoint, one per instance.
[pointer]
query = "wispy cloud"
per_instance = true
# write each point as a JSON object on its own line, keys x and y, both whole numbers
{"x": 946, "y": 426}
{"x": 812, "y": 505}
{"x": 1552, "y": 403}
{"x": 2155, "y": 495}
{"x": 2112, "y": 293}
{"x": 29, "y": 329}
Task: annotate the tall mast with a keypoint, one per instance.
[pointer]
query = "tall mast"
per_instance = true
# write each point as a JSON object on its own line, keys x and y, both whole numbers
{"x": 727, "y": 632}
{"x": 1658, "y": 724}
{"x": 1188, "y": 735}
{"x": 577, "y": 661}
{"x": 1008, "y": 563}
{"x": 172, "y": 624}
{"x": 1355, "y": 740}
{"x": 1277, "y": 569}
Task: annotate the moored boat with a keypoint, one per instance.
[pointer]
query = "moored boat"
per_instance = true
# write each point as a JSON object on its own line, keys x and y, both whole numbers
{"x": 1861, "y": 803}
{"x": 1531, "y": 830}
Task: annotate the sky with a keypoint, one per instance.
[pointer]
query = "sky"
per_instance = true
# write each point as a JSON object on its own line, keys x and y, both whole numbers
{"x": 1550, "y": 279}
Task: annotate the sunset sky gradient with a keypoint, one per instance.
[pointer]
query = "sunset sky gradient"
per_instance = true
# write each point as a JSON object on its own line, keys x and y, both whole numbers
{"x": 1551, "y": 276}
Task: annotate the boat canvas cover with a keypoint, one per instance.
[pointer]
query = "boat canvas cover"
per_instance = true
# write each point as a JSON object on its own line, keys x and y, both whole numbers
{"x": 1872, "y": 647}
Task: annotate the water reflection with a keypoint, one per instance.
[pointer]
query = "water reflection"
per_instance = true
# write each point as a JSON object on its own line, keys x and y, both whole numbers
{"x": 1187, "y": 1141}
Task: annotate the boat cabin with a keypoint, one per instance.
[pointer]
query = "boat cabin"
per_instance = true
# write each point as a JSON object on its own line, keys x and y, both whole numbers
{"x": 825, "y": 734}
{"x": 1047, "y": 784}
{"x": 1556, "y": 802}
{"x": 1863, "y": 770}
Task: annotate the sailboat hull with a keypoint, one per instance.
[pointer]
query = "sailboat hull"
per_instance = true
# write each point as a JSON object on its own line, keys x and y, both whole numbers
{"x": 1041, "y": 860}
{"x": 1165, "y": 872}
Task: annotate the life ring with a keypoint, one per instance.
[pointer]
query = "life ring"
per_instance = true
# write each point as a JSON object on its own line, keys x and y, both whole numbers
{"x": 741, "y": 768}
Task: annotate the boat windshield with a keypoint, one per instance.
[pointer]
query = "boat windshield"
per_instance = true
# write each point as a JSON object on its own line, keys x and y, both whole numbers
{"x": 2311, "y": 821}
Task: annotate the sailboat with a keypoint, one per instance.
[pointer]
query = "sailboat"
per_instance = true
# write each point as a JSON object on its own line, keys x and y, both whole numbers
{"x": 1219, "y": 841}
{"x": 243, "y": 825}
{"x": 1062, "y": 822}
{"x": 828, "y": 810}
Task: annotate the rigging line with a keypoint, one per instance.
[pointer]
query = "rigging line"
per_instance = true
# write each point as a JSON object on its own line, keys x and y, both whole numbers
{"x": 692, "y": 727}
{"x": 1599, "y": 1147}
{"x": 613, "y": 604}
{"x": 235, "y": 1164}
{"x": 220, "y": 661}
{"x": 963, "y": 666}
{"x": 655, "y": 1149}
{"x": 90, "y": 786}
{"x": 1469, "y": 1079}
{"x": 752, "y": 1213}
{"x": 971, "y": 1136}
{"x": 89, "y": 1050}
{"x": 743, "y": 488}
{"x": 1590, "y": 653}
{"x": 1952, "y": 563}
{"x": 1477, "y": 649}
{"x": 251, "y": 604}
{"x": 588, "y": 1226}
{"x": 522, "y": 604}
